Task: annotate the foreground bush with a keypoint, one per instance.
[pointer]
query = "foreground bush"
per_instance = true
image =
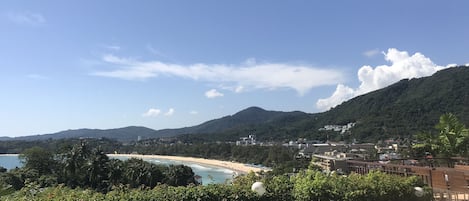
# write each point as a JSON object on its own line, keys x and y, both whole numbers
{"x": 375, "y": 186}
{"x": 306, "y": 186}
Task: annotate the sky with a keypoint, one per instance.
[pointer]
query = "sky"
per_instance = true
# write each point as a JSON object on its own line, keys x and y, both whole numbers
{"x": 171, "y": 64}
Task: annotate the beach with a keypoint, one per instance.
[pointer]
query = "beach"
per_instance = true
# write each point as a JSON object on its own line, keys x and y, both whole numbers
{"x": 240, "y": 168}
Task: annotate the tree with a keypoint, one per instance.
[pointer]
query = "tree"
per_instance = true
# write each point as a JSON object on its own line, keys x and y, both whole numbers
{"x": 452, "y": 139}
{"x": 180, "y": 175}
{"x": 453, "y": 136}
{"x": 116, "y": 171}
{"x": 138, "y": 172}
{"x": 73, "y": 163}
{"x": 98, "y": 170}
{"x": 39, "y": 159}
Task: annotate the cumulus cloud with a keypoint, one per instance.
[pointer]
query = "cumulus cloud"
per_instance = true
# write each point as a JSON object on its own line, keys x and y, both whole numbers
{"x": 26, "y": 18}
{"x": 402, "y": 66}
{"x": 170, "y": 112}
{"x": 152, "y": 112}
{"x": 213, "y": 93}
{"x": 250, "y": 75}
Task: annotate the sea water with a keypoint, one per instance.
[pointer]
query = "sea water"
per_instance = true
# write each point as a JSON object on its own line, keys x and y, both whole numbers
{"x": 209, "y": 174}
{"x": 10, "y": 161}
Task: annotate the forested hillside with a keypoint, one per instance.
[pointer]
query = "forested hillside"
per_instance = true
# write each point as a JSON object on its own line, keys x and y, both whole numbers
{"x": 406, "y": 107}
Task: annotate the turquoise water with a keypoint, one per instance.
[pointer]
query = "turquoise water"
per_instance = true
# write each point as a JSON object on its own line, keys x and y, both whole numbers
{"x": 10, "y": 161}
{"x": 209, "y": 174}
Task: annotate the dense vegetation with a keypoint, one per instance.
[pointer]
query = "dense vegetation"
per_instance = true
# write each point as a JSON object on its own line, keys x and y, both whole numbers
{"x": 79, "y": 172}
{"x": 282, "y": 159}
{"x": 82, "y": 167}
{"x": 305, "y": 186}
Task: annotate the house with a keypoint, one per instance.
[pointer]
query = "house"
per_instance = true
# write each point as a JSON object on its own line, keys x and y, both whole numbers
{"x": 249, "y": 140}
{"x": 321, "y": 149}
{"x": 330, "y": 163}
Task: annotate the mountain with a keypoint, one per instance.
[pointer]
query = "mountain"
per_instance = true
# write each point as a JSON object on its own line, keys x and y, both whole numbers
{"x": 244, "y": 119}
{"x": 122, "y": 134}
{"x": 399, "y": 110}
{"x": 406, "y": 107}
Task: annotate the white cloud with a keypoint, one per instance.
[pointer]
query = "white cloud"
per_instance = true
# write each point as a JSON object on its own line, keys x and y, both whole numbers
{"x": 371, "y": 53}
{"x": 451, "y": 65}
{"x": 213, "y": 93}
{"x": 250, "y": 75}
{"x": 152, "y": 112}
{"x": 340, "y": 94}
{"x": 170, "y": 112}
{"x": 402, "y": 66}
{"x": 193, "y": 112}
{"x": 26, "y": 18}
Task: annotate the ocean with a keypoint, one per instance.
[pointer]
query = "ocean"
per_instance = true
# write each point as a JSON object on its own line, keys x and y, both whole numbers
{"x": 209, "y": 174}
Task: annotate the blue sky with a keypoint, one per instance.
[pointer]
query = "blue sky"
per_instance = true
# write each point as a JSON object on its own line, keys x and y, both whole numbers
{"x": 169, "y": 64}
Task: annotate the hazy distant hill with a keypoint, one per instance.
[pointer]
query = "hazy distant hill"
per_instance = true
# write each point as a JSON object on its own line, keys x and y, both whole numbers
{"x": 399, "y": 110}
{"x": 122, "y": 134}
{"x": 249, "y": 117}
{"x": 244, "y": 119}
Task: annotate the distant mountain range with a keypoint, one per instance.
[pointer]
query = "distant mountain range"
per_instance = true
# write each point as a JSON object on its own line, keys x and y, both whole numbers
{"x": 399, "y": 110}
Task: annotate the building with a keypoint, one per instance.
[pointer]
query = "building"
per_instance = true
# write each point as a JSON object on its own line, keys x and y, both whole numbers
{"x": 321, "y": 149}
{"x": 249, "y": 140}
{"x": 330, "y": 163}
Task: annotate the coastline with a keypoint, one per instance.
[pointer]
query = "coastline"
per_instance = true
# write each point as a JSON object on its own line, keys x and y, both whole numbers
{"x": 240, "y": 168}
{"x": 9, "y": 154}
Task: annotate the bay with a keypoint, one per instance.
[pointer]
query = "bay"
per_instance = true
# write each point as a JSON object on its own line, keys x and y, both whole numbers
{"x": 209, "y": 174}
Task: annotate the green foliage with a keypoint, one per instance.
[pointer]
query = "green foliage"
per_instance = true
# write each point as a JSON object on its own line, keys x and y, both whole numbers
{"x": 312, "y": 185}
{"x": 80, "y": 166}
{"x": 179, "y": 175}
{"x": 309, "y": 185}
{"x": 39, "y": 159}
{"x": 452, "y": 139}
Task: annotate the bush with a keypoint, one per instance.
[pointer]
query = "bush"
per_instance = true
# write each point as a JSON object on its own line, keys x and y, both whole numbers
{"x": 306, "y": 186}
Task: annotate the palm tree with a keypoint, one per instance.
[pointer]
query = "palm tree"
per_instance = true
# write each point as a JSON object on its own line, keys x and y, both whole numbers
{"x": 452, "y": 139}
{"x": 453, "y": 136}
{"x": 74, "y": 162}
{"x": 116, "y": 169}
{"x": 98, "y": 170}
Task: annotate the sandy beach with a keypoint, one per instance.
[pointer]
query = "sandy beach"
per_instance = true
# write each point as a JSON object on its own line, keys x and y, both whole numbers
{"x": 237, "y": 167}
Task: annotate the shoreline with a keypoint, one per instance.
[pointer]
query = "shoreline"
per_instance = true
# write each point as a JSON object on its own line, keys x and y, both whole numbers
{"x": 9, "y": 154}
{"x": 240, "y": 168}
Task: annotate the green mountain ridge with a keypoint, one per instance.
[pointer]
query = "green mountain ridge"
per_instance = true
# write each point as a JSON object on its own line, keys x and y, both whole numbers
{"x": 406, "y": 107}
{"x": 399, "y": 110}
